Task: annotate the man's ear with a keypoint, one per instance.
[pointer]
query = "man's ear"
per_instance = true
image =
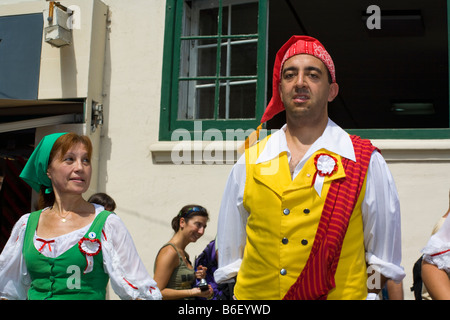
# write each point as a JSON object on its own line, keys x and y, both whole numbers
{"x": 334, "y": 90}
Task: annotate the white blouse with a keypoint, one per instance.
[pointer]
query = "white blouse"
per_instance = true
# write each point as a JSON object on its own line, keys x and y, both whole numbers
{"x": 437, "y": 250}
{"x": 121, "y": 261}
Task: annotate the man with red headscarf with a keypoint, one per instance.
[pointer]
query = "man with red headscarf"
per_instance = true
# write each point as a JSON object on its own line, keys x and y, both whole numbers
{"x": 309, "y": 212}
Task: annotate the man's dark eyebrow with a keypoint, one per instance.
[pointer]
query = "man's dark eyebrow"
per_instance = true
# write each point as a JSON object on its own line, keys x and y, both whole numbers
{"x": 310, "y": 68}
{"x": 290, "y": 69}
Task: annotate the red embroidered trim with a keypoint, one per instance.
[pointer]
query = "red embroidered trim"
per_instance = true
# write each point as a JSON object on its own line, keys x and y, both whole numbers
{"x": 130, "y": 284}
{"x": 136, "y": 288}
{"x": 87, "y": 264}
{"x": 439, "y": 253}
{"x": 18, "y": 235}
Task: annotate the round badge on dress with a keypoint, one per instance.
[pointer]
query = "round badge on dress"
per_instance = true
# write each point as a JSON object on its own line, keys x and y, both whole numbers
{"x": 92, "y": 235}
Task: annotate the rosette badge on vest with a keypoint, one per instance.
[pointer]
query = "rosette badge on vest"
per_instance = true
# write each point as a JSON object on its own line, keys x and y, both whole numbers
{"x": 326, "y": 166}
{"x": 90, "y": 247}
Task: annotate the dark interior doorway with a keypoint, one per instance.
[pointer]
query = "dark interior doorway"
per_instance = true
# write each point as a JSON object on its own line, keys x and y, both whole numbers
{"x": 393, "y": 77}
{"x": 15, "y": 195}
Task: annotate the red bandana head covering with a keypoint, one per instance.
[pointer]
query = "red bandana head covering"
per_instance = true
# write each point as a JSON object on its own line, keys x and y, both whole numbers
{"x": 295, "y": 45}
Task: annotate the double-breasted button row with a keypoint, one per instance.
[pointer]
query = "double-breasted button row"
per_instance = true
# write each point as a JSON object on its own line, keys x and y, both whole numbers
{"x": 304, "y": 242}
{"x": 286, "y": 241}
{"x": 286, "y": 211}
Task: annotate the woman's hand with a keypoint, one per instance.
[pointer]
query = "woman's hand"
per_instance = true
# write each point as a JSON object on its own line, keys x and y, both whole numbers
{"x": 196, "y": 292}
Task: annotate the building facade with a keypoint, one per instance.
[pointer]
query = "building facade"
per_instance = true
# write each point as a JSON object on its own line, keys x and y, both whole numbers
{"x": 168, "y": 90}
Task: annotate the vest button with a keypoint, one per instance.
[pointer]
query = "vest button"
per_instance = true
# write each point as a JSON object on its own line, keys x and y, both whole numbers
{"x": 306, "y": 211}
{"x": 304, "y": 242}
{"x": 286, "y": 211}
{"x": 283, "y": 272}
{"x": 285, "y": 240}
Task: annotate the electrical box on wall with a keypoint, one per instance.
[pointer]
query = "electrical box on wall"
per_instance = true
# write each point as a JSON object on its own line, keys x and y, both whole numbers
{"x": 57, "y": 25}
{"x": 74, "y": 71}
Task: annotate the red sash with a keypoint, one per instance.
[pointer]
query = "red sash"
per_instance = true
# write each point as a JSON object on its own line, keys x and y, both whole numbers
{"x": 317, "y": 278}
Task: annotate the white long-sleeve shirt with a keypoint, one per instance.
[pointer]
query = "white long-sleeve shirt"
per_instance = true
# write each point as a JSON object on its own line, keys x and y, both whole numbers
{"x": 380, "y": 207}
{"x": 128, "y": 275}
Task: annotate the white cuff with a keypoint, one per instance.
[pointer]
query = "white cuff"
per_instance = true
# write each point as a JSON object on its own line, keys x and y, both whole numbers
{"x": 223, "y": 274}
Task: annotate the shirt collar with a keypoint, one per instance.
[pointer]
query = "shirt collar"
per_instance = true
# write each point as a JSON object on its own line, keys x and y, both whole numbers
{"x": 333, "y": 139}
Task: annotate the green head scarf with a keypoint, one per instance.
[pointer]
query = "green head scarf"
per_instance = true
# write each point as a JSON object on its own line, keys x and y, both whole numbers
{"x": 35, "y": 171}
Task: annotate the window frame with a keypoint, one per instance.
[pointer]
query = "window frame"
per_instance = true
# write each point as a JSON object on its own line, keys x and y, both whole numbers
{"x": 169, "y": 121}
{"x": 170, "y": 73}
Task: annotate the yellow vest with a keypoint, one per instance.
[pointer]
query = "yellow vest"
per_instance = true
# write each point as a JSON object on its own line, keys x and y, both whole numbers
{"x": 283, "y": 219}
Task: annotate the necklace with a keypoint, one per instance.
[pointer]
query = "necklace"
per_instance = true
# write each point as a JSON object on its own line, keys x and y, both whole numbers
{"x": 63, "y": 219}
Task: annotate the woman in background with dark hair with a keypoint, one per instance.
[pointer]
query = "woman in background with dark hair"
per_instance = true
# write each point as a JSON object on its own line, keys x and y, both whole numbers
{"x": 104, "y": 200}
{"x": 174, "y": 272}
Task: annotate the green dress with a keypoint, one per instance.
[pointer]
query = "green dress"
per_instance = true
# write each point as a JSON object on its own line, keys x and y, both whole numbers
{"x": 71, "y": 275}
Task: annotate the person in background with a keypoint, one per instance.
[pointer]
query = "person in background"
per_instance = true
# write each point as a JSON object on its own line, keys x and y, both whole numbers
{"x": 208, "y": 258}
{"x": 418, "y": 288}
{"x": 69, "y": 248}
{"x": 103, "y": 199}
{"x": 392, "y": 291}
{"x": 436, "y": 261}
{"x": 174, "y": 272}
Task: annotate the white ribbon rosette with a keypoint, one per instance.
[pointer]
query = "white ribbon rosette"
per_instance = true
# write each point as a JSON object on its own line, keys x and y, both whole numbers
{"x": 326, "y": 166}
{"x": 90, "y": 248}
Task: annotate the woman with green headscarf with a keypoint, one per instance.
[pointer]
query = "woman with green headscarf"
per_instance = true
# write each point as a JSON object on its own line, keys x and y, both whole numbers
{"x": 69, "y": 248}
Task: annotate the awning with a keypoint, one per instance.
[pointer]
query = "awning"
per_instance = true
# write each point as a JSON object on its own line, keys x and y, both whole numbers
{"x": 25, "y": 114}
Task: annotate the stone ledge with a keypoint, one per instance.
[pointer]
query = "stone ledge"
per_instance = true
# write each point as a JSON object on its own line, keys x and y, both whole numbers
{"x": 225, "y": 152}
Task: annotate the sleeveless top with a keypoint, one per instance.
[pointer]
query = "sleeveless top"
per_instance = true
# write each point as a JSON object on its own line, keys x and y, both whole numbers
{"x": 76, "y": 274}
{"x": 182, "y": 277}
